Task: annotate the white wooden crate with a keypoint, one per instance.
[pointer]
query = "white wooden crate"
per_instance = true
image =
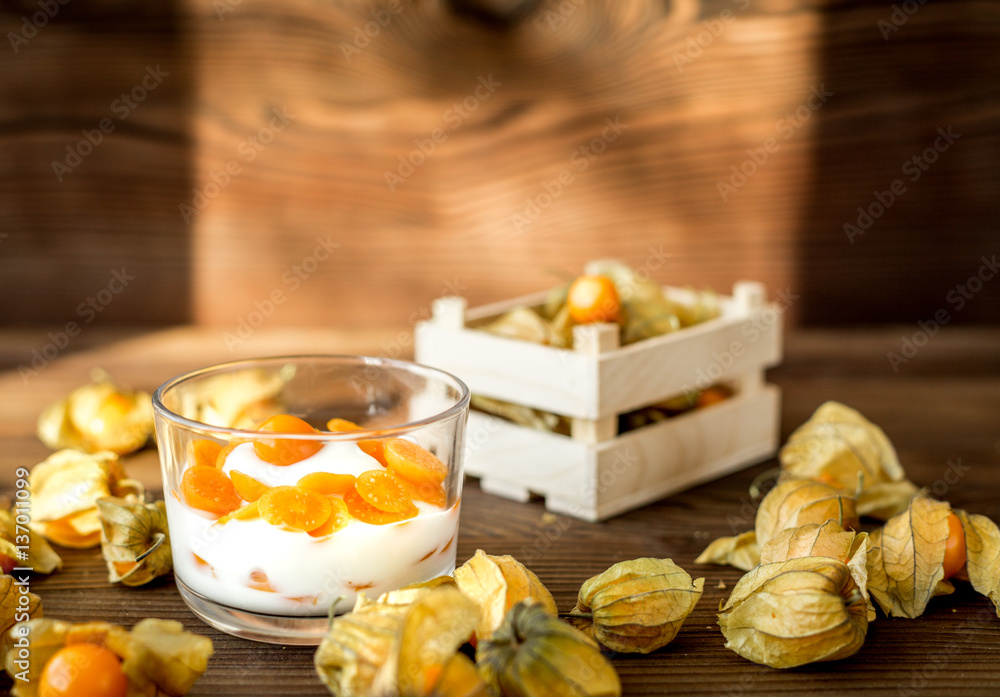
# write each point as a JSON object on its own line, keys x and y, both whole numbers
{"x": 595, "y": 473}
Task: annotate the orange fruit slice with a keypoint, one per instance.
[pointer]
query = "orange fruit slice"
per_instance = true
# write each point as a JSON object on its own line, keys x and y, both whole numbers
{"x": 246, "y": 486}
{"x": 374, "y": 448}
{"x": 209, "y": 489}
{"x": 327, "y": 483}
{"x": 339, "y": 518}
{"x": 366, "y": 513}
{"x": 414, "y": 463}
{"x": 379, "y": 488}
{"x": 285, "y": 451}
{"x": 203, "y": 452}
{"x": 295, "y": 507}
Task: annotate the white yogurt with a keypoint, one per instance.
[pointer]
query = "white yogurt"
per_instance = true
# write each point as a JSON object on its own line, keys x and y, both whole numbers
{"x": 252, "y": 565}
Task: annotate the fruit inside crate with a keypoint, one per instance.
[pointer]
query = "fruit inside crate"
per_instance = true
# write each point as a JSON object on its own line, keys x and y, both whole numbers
{"x": 596, "y": 384}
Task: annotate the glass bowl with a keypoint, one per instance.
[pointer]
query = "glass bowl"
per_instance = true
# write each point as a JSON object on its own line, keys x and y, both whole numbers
{"x": 273, "y": 530}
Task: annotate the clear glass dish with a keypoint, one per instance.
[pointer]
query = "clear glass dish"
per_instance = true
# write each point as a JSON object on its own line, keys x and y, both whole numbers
{"x": 249, "y": 566}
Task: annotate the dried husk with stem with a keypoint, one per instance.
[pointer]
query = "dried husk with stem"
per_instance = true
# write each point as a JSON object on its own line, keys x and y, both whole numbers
{"x": 790, "y": 613}
{"x": 790, "y": 504}
{"x": 636, "y": 606}
{"x": 65, "y": 489}
{"x": 532, "y": 654}
{"x": 101, "y": 415}
{"x": 403, "y": 644}
{"x": 135, "y": 540}
{"x": 159, "y": 658}
{"x": 839, "y": 446}
{"x": 828, "y": 540}
{"x": 496, "y": 584}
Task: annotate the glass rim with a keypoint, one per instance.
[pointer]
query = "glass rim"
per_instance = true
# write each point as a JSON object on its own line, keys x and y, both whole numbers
{"x": 410, "y": 367}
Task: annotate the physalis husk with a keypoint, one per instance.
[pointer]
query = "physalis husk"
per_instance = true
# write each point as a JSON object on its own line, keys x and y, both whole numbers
{"x": 497, "y": 584}
{"x": 794, "y": 612}
{"x": 827, "y": 540}
{"x": 532, "y": 654}
{"x": 636, "y": 606}
{"x": 839, "y": 446}
{"x": 241, "y": 399}
{"x": 135, "y": 541}
{"x": 401, "y": 645}
{"x": 906, "y": 558}
{"x": 158, "y": 656}
{"x": 98, "y": 416}
{"x": 790, "y": 504}
{"x": 12, "y": 610}
{"x": 41, "y": 557}
{"x": 982, "y": 554}
{"x": 64, "y": 493}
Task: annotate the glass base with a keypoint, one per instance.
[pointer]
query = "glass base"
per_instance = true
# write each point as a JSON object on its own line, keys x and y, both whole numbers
{"x": 255, "y": 626}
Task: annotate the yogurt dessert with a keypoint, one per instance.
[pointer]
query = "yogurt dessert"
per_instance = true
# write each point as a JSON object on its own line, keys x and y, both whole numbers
{"x": 290, "y": 527}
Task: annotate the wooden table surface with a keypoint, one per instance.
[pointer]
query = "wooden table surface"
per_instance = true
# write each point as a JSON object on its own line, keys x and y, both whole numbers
{"x": 941, "y": 407}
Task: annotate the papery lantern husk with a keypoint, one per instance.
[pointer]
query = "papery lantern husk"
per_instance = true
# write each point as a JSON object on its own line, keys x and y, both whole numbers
{"x": 636, "y": 606}
{"x": 242, "y": 399}
{"x": 12, "y": 611}
{"x": 64, "y": 493}
{"x": 41, "y": 557}
{"x": 794, "y": 612}
{"x": 158, "y": 656}
{"x": 790, "y": 504}
{"x": 982, "y": 554}
{"x": 532, "y": 654}
{"x": 393, "y": 647}
{"x": 496, "y": 584}
{"x": 827, "y": 540}
{"x": 839, "y": 446}
{"x": 906, "y": 558}
{"x": 98, "y": 416}
{"x": 135, "y": 540}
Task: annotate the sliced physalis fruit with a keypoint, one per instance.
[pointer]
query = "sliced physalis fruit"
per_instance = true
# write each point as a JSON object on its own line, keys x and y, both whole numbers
{"x": 338, "y": 520}
{"x": 209, "y": 489}
{"x": 327, "y": 483}
{"x": 251, "y": 511}
{"x": 220, "y": 460}
{"x": 295, "y": 507}
{"x": 203, "y": 452}
{"x": 374, "y": 448}
{"x": 427, "y": 492}
{"x": 384, "y": 491}
{"x": 366, "y": 513}
{"x": 414, "y": 463}
{"x": 285, "y": 451}
{"x": 247, "y": 487}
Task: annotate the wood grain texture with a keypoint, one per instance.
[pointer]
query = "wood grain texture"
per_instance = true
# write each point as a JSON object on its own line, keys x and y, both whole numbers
{"x": 110, "y": 206}
{"x": 697, "y": 92}
{"x": 940, "y": 406}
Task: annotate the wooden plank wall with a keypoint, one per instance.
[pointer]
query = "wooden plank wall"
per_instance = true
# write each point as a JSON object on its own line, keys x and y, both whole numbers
{"x": 343, "y": 162}
{"x": 74, "y": 218}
